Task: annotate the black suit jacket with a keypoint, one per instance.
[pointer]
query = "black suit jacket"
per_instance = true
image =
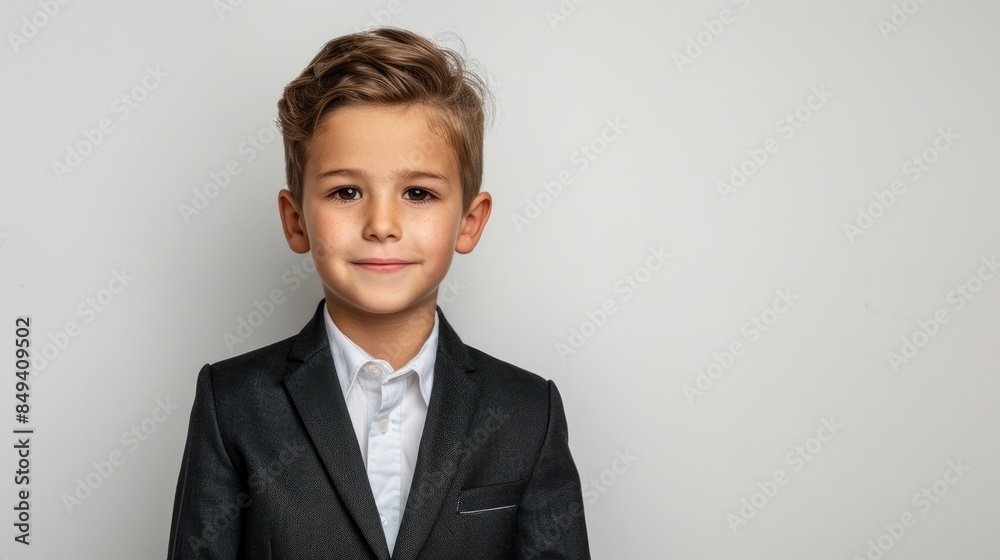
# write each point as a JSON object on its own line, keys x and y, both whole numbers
{"x": 272, "y": 468}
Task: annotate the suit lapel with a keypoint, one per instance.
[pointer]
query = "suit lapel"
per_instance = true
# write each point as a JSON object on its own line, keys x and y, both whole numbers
{"x": 311, "y": 380}
{"x": 454, "y": 400}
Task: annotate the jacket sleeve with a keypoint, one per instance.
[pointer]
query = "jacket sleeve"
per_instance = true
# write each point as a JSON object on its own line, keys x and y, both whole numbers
{"x": 209, "y": 503}
{"x": 551, "y": 522}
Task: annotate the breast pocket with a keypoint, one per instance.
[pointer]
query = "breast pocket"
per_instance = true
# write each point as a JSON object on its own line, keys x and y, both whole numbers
{"x": 495, "y": 498}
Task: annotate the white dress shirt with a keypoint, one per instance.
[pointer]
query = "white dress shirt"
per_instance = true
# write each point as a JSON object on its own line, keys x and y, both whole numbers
{"x": 388, "y": 409}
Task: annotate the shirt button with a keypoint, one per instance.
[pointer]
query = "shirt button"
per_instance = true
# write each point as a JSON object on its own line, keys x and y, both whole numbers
{"x": 383, "y": 425}
{"x": 384, "y": 520}
{"x": 374, "y": 371}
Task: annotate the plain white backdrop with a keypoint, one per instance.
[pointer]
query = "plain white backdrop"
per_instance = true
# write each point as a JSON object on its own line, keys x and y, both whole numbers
{"x": 811, "y": 372}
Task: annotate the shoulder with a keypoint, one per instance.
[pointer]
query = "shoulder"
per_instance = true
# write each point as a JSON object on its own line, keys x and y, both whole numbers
{"x": 250, "y": 371}
{"x": 525, "y": 403}
{"x": 508, "y": 380}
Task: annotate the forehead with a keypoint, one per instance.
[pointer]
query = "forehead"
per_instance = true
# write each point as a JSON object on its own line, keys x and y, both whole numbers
{"x": 381, "y": 136}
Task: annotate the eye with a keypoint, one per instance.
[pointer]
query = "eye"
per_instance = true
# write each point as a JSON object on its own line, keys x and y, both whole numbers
{"x": 339, "y": 194}
{"x": 420, "y": 195}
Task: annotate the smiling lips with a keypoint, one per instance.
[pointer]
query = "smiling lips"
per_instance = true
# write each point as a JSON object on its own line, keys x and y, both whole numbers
{"x": 382, "y": 265}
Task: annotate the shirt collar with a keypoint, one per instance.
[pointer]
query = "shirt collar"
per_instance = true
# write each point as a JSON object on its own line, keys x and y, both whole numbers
{"x": 348, "y": 357}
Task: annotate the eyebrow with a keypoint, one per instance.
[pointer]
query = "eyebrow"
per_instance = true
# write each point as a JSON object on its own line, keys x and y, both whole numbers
{"x": 408, "y": 175}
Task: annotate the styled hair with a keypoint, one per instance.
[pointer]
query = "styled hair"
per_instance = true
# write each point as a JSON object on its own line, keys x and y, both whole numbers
{"x": 393, "y": 67}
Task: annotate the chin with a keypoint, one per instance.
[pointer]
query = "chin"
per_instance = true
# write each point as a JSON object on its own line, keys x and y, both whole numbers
{"x": 382, "y": 306}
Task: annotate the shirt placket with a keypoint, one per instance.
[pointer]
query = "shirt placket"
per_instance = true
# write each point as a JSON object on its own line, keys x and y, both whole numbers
{"x": 385, "y": 461}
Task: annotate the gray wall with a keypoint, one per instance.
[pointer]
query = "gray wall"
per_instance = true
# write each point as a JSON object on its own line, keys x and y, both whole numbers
{"x": 859, "y": 226}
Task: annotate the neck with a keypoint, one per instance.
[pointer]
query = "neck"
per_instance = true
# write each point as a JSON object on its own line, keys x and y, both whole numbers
{"x": 393, "y": 337}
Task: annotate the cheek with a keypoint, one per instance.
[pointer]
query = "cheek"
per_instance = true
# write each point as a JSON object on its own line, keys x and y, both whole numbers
{"x": 433, "y": 235}
{"x": 327, "y": 238}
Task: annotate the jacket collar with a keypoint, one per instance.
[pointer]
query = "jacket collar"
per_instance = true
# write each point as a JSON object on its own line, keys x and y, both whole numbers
{"x": 312, "y": 382}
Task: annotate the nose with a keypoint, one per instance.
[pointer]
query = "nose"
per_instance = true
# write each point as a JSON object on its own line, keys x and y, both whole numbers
{"x": 381, "y": 217}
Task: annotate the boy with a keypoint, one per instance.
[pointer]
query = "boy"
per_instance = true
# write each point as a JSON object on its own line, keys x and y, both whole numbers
{"x": 376, "y": 431}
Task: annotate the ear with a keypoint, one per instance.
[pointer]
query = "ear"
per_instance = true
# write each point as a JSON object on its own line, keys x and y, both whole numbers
{"x": 473, "y": 223}
{"x": 293, "y": 222}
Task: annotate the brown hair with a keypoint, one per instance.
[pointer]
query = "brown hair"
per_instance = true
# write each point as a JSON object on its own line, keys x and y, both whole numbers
{"x": 387, "y": 66}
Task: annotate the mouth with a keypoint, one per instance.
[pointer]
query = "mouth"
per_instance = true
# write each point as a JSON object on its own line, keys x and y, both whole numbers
{"x": 382, "y": 265}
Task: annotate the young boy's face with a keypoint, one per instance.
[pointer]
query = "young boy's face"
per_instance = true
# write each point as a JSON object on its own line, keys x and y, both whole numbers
{"x": 380, "y": 185}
